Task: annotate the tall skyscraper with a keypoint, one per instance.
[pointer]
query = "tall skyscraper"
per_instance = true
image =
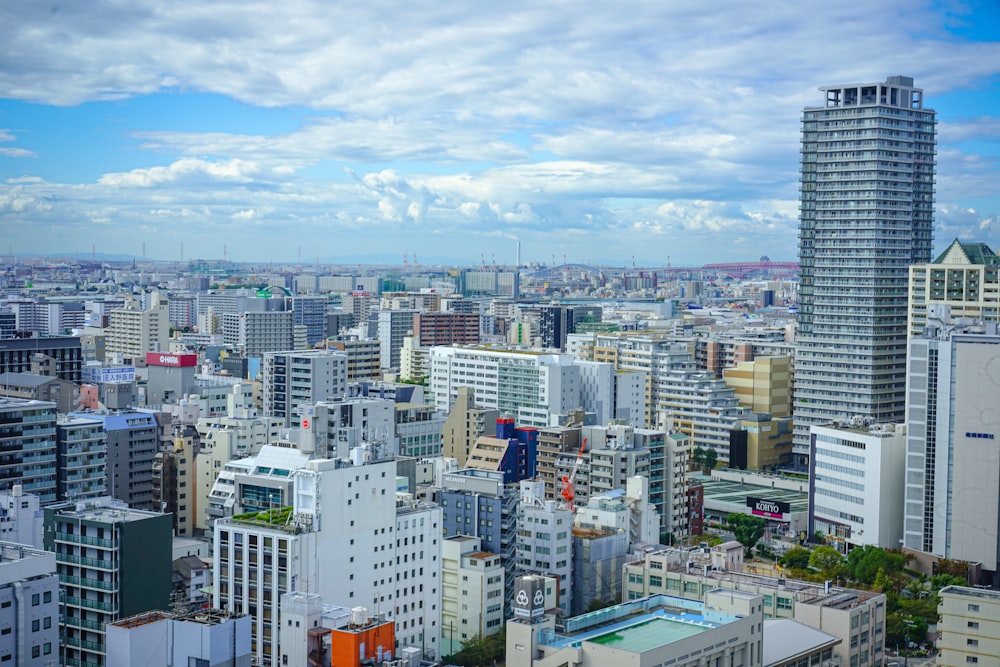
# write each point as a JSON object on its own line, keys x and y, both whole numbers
{"x": 866, "y": 212}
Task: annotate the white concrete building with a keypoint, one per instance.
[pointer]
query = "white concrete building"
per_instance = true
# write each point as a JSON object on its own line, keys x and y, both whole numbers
{"x": 532, "y": 387}
{"x": 613, "y": 394}
{"x": 545, "y": 540}
{"x": 29, "y": 606}
{"x": 336, "y": 540}
{"x": 953, "y": 446}
{"x": 22, "y": 519}
{"x": 418, "y": 572}
{"x": 857, "y": 483}
{"x": 472, "y": 589}
{"x": 340, "y": 426}
{"x": 292, "y": 380}
{"x": 163, "y": 639}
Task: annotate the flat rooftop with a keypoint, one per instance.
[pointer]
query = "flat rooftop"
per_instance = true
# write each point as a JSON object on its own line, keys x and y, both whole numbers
{"x": 719, "y": 491}
{"x": 649, "y": 634}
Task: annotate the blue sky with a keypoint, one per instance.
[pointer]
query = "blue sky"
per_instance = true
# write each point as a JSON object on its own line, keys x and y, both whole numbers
{"x": 449, "y": 131}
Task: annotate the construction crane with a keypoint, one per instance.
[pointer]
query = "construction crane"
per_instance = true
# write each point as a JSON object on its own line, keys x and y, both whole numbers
{"x": 568, "y": 490}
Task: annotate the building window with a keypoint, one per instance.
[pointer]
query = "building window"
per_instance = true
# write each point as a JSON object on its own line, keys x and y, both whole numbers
{"x": 35, "y": 600}
{"x": 974, "y": 607}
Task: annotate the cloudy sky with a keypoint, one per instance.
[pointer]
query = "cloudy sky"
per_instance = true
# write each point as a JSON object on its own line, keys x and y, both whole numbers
{"x": 270, "y": 131}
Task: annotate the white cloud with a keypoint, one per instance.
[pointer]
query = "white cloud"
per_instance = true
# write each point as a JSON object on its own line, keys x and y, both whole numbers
{"x": 636, "y": 122}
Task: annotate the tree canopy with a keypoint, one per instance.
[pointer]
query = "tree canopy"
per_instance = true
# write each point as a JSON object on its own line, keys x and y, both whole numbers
{"x": 747, "y": 529}
{"x": 826, "y": 559}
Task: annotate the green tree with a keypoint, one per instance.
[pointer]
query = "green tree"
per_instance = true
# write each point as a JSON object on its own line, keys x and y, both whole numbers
{"x": 863, "y": 563}
{"x": 698, "y": 457}
{"x": 827, "y": 560}
{"x": 796, "y": 558}
{"x": 711, "y": 458}
{"x": 747, "y": 529}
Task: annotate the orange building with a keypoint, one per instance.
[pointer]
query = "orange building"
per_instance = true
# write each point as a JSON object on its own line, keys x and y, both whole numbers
{"x": 352, "y": 644}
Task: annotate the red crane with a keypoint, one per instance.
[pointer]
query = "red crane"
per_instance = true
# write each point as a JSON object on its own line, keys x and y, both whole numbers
{"x": 568, "y": 490}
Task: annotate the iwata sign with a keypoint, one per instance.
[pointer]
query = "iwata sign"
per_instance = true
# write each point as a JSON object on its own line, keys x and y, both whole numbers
{"x": 772, "y": 509}
{"x": 167, "y": 359}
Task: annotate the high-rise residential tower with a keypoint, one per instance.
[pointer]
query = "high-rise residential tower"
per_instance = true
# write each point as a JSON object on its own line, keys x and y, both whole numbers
{"x": 866, "y": 214}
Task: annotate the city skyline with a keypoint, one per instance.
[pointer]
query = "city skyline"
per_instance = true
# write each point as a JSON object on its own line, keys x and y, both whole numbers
{"x": 647, "y": 130}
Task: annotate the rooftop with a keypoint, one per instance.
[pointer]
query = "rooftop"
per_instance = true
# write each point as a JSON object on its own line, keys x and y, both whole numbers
{"x": 648, "y": 634}
{"x": 785, "y": 639}
{"x": 639, "y": 625}
{"x": 965, "y": 591}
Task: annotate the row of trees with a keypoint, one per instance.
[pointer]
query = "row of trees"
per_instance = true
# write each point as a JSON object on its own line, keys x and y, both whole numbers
{"x": 911, "y": 599}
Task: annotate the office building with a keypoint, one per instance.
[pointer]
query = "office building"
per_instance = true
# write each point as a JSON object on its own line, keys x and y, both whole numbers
{"x": 763, "y": 385}
{"x": 533, "y": 388}
{"x": 295, "y": 380}
{"x": 761, "y": 442}
{"x": 22, "y": 517}
{"x": 337, "y": 540}
{"x": 545, "y": 540}
{"x": 725, "y": 629}
{"x": 612, "y": 394}
{"x": 952, "y": 507}
{"x": 364, "y": 361}
{"x": 113, "y": 562}
{"x": 867, "y": 214}
{"x": 253, "y": 334}
{"x": 28, "y": 440}
{"x": 856, "y": 478}
{"x": 29, "y": 606}
{"x": 472, "y": 588}
{"x": 340, "y": 426}
{"x": 418, "y": 430}
{"x": 969, "y": 626}
{"x": 465, "y": 423}
{"x": 478, "y": 504}
{"x": 310, "y": 312}
{"x": 392, "y": 327}
{"x": 164, "y": 639}
{"x": 856, "y": 617}
{"x": 965, "y": 277}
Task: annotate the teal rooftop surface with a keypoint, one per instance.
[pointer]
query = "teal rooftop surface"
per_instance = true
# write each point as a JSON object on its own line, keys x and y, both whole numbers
{"x": 649, "y": 634}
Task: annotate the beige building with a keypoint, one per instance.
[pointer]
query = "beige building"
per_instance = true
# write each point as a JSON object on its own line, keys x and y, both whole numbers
{"x": 464, "y": 425}
{"x": 969, "y": 626}
{"x": 768, "y": 442}
{"x": 132, "y": 331}
{"x": 363, "y": 358}
{"x": 472, "y": 587}
{"x": 763, "y": 385}
{"x": 855, "y": 617}
{"x": 965, "y": 277}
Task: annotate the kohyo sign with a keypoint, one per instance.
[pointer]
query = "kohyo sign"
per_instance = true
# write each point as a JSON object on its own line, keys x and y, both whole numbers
{"x": 770, "y": 508}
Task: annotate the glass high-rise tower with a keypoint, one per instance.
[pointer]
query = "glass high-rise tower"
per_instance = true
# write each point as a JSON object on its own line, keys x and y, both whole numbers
{"x": 866, "y": 214}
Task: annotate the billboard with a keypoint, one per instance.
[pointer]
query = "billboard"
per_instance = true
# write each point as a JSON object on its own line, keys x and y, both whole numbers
{"x": 529, "y": 597}
{"x": 772, "y": 509}
{"x": 102, "y": 375}
{"x": 174, "y": 360}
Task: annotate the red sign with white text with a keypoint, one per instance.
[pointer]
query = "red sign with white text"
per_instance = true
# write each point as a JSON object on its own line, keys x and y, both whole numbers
{"x": 167, "y": 359}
